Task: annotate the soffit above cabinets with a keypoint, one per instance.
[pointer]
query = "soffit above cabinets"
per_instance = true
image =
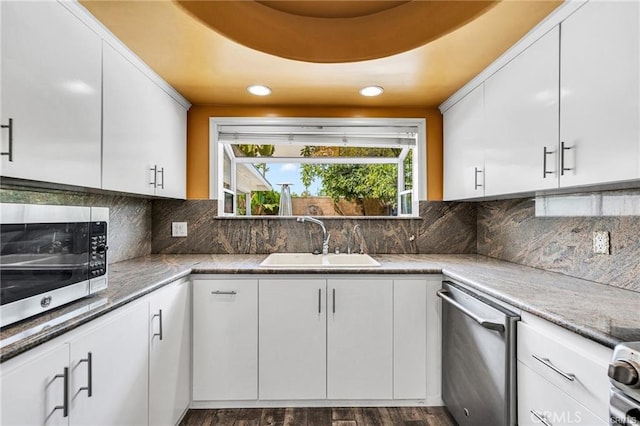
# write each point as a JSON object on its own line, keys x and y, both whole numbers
{"x": 210, "y": 69}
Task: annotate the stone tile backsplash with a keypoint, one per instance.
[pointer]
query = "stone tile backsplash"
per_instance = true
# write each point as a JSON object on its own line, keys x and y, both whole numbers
{"x": 129, "y": 217}
{"x": 442, "y": 228}
{"x": 509, "y": 230}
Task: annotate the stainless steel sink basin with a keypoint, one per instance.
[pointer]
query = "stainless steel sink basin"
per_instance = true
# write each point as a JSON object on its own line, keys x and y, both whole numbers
{"x": 308, "y": 260}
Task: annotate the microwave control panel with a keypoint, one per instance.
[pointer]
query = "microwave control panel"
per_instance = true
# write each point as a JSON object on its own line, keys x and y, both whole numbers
{"x": 98, "y": 250}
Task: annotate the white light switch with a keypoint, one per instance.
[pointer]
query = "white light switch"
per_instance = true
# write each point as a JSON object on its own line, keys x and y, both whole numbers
{"x": 178, "y": 229}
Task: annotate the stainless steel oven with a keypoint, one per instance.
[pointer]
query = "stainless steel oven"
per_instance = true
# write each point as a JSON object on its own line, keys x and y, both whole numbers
{"x": 49, "y": 256}
{"x": 624, "y": 374}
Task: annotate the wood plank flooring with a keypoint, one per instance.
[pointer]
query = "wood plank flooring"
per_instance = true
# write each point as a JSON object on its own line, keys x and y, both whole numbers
{"x": 344, "y": 416}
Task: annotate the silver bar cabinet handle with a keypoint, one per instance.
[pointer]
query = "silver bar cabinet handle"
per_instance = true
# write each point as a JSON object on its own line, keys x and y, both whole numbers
{"x": 154, "y": 169}
{"x": 319, "y": 300}
{"x": 65, "y": 398}
{"x": 89, "y": 387}
{"x": 9, "y": 153}
{"x": 483, "y": 322}
{"x": 159, "y": 333}
{"x": 334, "y": 300}
{"x": 161, "y": 172}
{"x": 476, "y": 185}
{"x": 547, "y": 362}
{"x": 545, "y": 172}
{"x": 562, "y": 167}
{"x": 541, "y": 418}
{"x": 223, "y": 292}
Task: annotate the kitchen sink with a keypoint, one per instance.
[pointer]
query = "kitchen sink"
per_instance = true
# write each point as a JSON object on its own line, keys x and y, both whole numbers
{"x": 309, "y": 260}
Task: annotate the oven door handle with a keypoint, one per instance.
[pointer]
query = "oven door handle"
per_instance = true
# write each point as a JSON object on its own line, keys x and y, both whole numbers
{"x": 483, "y": 322}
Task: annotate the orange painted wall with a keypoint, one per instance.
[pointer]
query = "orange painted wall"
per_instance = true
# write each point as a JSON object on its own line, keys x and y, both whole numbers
{"x": 198, "y": 137}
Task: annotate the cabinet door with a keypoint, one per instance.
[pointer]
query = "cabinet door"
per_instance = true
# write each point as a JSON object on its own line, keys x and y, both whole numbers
{"x": 117, "y": 375}
{"x": 169, "y": 354}
{"x": 293, "y": 337}
{"x": 539, "y": 401}
{"x": 464, "y": 147}
{"x": 225, "y": 339}
{"x": 128, "y": 124}
{"x": 170, "y": 146}
{"x": 410, "y": 339}
{"x": 600, "y": 92}
{"x": 51, "y": 89}
{"x": 360, "y": 338}
{"x": 521, "y": 110}
{"x": 32, "y": 388}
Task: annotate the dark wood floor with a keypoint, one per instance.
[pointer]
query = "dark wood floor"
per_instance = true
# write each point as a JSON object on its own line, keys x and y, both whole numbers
{"x": 409, "y": 416}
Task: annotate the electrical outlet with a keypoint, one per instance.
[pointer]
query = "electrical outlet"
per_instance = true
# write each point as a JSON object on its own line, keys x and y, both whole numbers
{"x": 601, "y": 242}
{"x": 178, "y": 229}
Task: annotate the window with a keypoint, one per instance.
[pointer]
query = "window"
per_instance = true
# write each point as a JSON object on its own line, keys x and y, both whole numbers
{"x": 330, "y": 167}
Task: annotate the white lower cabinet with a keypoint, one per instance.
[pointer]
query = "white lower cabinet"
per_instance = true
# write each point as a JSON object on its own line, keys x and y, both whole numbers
{"x": 562, "y": 377}
{"x": 32, "y": 387}
{"x": 360, "y": 338}
{"x": 169, "y": 354}
{"x": 119, "y": 371}
{"x": 410, "y": 338}
{"x": 539, "y": 401}
{"x": 293, "y": 342}
{"x": 309, "y": 338}
{"x": 225, "y": 339}
{"x": 109, "y": 371}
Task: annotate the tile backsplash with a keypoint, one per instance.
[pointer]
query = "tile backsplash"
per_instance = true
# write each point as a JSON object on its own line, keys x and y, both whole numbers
{"x": 129, "y": 217}
{"x": 509, "y": 230}
{"x": 441, "y": 228}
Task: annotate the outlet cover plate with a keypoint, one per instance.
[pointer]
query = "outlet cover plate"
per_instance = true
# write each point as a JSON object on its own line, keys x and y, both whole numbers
{"x": 601, "y": 244}
{"x": 178, "y": 229}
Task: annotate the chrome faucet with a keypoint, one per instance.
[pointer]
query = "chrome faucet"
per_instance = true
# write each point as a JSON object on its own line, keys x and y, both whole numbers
{"x": 325, "y": 234}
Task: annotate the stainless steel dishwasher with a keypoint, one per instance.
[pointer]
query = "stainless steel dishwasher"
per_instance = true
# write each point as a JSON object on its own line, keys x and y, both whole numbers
{"x": 478, "y": 358}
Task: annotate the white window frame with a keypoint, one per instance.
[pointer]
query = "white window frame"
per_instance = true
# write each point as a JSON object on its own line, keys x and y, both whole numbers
{"x": 216, "y": 150}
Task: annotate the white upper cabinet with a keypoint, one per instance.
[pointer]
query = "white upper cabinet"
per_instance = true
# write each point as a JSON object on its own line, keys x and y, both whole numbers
{"x": 464, "y": 136}
{"x": 600, "y": 90}
{"x": 169, "y": 149}
{"x": 127, "y": 126}
{"x": 144, "y": 132}
{"x": 521, "y": 110}
{"x": 51, "y": 91}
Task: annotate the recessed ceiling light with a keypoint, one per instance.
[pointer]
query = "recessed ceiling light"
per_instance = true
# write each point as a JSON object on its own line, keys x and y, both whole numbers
{"x": 371, "y": 91}
{"x": 259, "y": 90}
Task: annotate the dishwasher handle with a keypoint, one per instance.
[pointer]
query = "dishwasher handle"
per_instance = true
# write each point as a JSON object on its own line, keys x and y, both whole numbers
{"x": 483, "y": 322}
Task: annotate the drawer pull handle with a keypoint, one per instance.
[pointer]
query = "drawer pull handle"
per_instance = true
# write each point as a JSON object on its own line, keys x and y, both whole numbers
{"x": 541, "y": 418}
{"x": 476, "y": 185}
{"x": 65, "y": 401}
{"x": 545, "y": 172}
{"x": 160, "y": 334}
{"x": 89, "y": 387}
{"x": 547, "y": 362}
{"x": 223, "y": 292}
{"x": 9, "y": 153}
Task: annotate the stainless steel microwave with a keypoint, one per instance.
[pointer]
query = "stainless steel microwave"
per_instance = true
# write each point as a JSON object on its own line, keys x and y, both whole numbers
{"x": 49, "y": 256}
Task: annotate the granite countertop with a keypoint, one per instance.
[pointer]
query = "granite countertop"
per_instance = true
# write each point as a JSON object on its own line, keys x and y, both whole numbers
{"x": 605, "y": 314}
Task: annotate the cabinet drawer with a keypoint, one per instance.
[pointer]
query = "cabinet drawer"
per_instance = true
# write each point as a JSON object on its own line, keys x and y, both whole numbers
{"x": 576, "y": 370}
{"x": 540, "y": 402}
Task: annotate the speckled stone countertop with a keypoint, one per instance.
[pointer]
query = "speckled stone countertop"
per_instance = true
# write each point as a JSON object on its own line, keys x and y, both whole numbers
{"x": 605, "y": 314}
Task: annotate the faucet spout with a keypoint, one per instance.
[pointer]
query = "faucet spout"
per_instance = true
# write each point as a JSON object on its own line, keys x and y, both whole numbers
{"x": 325, "y": 234}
